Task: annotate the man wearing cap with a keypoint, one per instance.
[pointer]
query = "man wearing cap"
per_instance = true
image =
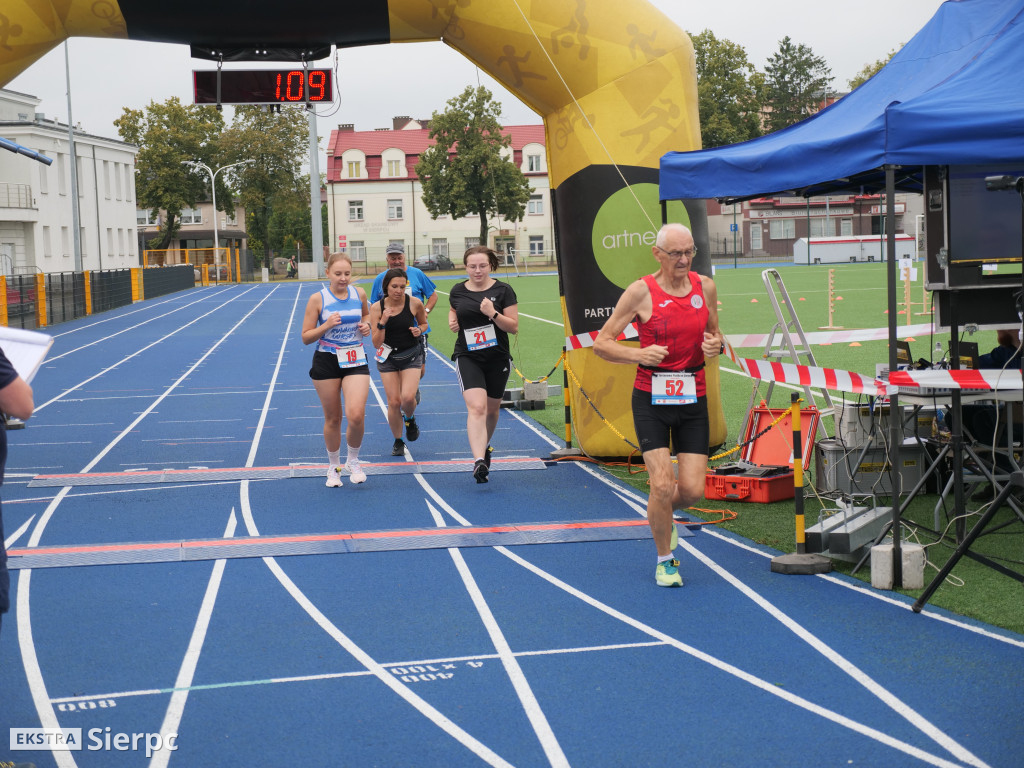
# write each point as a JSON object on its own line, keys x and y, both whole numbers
{"x": 420, "y": 286}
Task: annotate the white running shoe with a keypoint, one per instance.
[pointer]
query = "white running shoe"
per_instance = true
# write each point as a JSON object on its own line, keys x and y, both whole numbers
{"x": 333, "y": 477}
{"x": 355, "y": 472}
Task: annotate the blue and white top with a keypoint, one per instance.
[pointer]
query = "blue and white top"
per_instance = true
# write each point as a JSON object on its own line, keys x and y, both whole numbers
{"x": 351, "y": 309}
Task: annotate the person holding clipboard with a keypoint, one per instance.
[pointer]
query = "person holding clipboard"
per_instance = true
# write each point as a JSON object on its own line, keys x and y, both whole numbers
{"x": 483, "y": 312}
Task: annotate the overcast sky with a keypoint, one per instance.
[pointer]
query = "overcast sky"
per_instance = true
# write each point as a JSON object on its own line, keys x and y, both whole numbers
{"x": 415, "y": 79}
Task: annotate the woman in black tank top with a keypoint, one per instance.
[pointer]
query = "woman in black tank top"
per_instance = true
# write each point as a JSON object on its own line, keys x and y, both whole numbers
{"x": 397, "y": 322}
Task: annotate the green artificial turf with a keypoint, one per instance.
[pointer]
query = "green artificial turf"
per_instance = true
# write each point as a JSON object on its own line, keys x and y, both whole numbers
{"x": 859, "y": 300}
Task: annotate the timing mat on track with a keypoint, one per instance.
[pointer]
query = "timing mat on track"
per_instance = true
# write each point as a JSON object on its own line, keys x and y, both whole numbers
{"x": 330, "y": 543}
{"x": 206, "y": 474}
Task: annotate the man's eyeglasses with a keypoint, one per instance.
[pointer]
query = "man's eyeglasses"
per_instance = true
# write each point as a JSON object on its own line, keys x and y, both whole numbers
{"x": 677, "y": 255}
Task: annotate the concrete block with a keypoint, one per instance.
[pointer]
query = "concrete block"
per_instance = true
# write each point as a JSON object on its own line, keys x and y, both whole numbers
{"x": 913, "y": 566}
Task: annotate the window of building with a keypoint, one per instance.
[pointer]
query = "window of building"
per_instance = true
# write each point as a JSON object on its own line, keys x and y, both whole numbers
{"x": 536, "y": 245}
{"x": 44, "y": 180}
{"x": 120, "y": 242}
{"x": 128, "y": 173}
{"x": 106, "y": 179}
{"x": 536, "y": 204}
{"x": 47, "y": 246}
{"x": 110, "y": 241}
{"x": 357, "y": 250}
{"x": 354, "y": 169}
{"x": 533, "y": 163}
{"x": 117, "y": 181}
{"x": 395, "y": 210}
{"x": 145, "y": 217}
{"x": 65, "y": 242}
{"x": 472, "y": 242}
{"x": 191, "y": 216}
{"x": 439, "y": 245}
{"x": 755, "y": 236}
{"x": 231, "y": 218}
{"x": 62, "y": 175}
{"x": 355, "y": 210}
{"x": 782, "y": 229}
{"x": 846, "y": 227}
{"x": 394, "y": 167}
{"x": 823, "y": 227}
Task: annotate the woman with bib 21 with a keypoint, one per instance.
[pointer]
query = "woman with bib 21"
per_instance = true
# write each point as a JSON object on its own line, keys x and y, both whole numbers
{"x": 483, "y": 312}
{"x": 336, "y": 319}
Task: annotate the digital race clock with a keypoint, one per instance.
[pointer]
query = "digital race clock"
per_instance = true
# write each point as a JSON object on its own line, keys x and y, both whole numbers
{"x": 263, "y": 86}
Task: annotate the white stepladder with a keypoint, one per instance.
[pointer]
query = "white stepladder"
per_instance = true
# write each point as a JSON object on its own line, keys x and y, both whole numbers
{"x": 786, "y": 342}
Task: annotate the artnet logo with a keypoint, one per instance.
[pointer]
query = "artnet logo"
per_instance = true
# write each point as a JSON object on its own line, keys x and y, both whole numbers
{"x": 96, "y": 739}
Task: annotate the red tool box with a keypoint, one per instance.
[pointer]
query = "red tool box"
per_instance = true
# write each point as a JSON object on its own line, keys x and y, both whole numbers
{"x": 765, "y": 471}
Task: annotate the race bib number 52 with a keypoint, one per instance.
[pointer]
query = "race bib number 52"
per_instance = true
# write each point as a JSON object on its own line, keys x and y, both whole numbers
{"x": 675, "y": 388}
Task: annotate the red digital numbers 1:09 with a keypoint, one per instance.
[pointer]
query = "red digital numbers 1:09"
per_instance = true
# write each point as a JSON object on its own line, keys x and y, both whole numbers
{"x": 291, "y": 86}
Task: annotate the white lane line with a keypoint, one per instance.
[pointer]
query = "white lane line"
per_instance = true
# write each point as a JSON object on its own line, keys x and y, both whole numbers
{"x": 33, "y": 672}
{"x": 379, "y": 671}
{"x": 17, "y": 534}
{"x": 892, "y": 701}
{"x": 360, "y": 673}
{"x": 187, "y": 671}
{"x": 859, "y": 587}
{"x": 113, "y": 315}
{"x": 763, "y": 685}
{"x": 541, "y": 726}
{"x": 148, "y": 346}
{"x": 125, "y": 330}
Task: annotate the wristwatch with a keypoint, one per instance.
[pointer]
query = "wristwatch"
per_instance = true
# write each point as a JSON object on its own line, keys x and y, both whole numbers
{"x": 428, "y": 310}
{"x": 380, "y": 326}
{"x": 495, "y": 315}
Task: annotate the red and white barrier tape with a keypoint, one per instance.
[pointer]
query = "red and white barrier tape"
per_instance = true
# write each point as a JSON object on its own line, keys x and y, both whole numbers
{"x": 945, "y": 379}
{"x": 584, "y": 340}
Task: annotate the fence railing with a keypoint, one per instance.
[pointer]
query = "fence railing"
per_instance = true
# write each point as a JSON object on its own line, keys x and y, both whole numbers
{"x": 15, "y": 195}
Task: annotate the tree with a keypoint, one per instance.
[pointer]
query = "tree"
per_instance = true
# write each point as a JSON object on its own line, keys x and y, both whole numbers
{"x": 727, "y": 91}
{"x": 167, "y": 134}
{"x": 870, "y": 70}
{"x": 795, "y": 83}
{"x": 290, "y": 224}
{"x": 277, "y": 143}
{"x": 465, "y": 171}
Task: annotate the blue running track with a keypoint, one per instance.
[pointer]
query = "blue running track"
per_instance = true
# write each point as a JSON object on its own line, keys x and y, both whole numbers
{"x": 460, "y": 651}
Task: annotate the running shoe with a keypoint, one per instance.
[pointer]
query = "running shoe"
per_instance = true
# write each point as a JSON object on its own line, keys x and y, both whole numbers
{"x": 487, "y": 456}
{"x": 480, "y": 471}
{"x": 412, "y": 431}
{"x": 675, "y": 538}
{"x": 398, "y": 449}
{"x": 333, "y": 477}
{"x": 667, "y": 574}
{"x": 355, "y": 472}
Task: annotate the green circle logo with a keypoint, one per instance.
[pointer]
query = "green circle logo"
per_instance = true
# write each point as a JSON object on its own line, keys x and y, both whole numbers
{"x": 624, "y": 234}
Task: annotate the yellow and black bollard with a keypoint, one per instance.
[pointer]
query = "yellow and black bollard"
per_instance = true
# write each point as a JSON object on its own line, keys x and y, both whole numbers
{"x": 799, "y": 562}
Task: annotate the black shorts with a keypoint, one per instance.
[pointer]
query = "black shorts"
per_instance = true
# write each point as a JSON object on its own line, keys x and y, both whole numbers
{"x": 406, "y": 359}
{"x": 686, "y": 426}
{"x": 491, "y": 375}
{"x": 325, "y": 366}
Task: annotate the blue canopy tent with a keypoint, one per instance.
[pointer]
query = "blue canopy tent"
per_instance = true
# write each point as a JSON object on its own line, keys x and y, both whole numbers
{"x": 951, "y": 96}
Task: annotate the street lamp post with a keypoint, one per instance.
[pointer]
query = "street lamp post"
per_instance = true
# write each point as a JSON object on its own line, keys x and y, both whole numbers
{"x": 213, "y": 195}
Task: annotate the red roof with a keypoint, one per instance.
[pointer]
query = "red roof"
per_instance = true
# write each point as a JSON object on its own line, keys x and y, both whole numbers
{"x": 411, "y": 142}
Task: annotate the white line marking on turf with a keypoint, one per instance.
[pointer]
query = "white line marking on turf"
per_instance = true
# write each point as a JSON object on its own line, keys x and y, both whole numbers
{"x": 187, "y": 671}
{"x": 531, "y": 706}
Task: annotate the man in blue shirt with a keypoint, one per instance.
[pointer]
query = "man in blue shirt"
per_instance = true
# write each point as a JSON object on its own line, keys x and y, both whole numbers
{"x": 420, "y": 286}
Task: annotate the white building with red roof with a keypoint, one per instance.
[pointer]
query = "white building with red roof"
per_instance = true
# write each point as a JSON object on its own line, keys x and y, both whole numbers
{"x": 374, "y": 197}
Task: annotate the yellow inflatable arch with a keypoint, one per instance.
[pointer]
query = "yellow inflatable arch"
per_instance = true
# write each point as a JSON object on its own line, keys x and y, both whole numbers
{"x": 614, "y": 80}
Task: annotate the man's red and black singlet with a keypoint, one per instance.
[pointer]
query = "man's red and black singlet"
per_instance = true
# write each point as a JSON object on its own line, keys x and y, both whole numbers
{"x": 677, "y": 322}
